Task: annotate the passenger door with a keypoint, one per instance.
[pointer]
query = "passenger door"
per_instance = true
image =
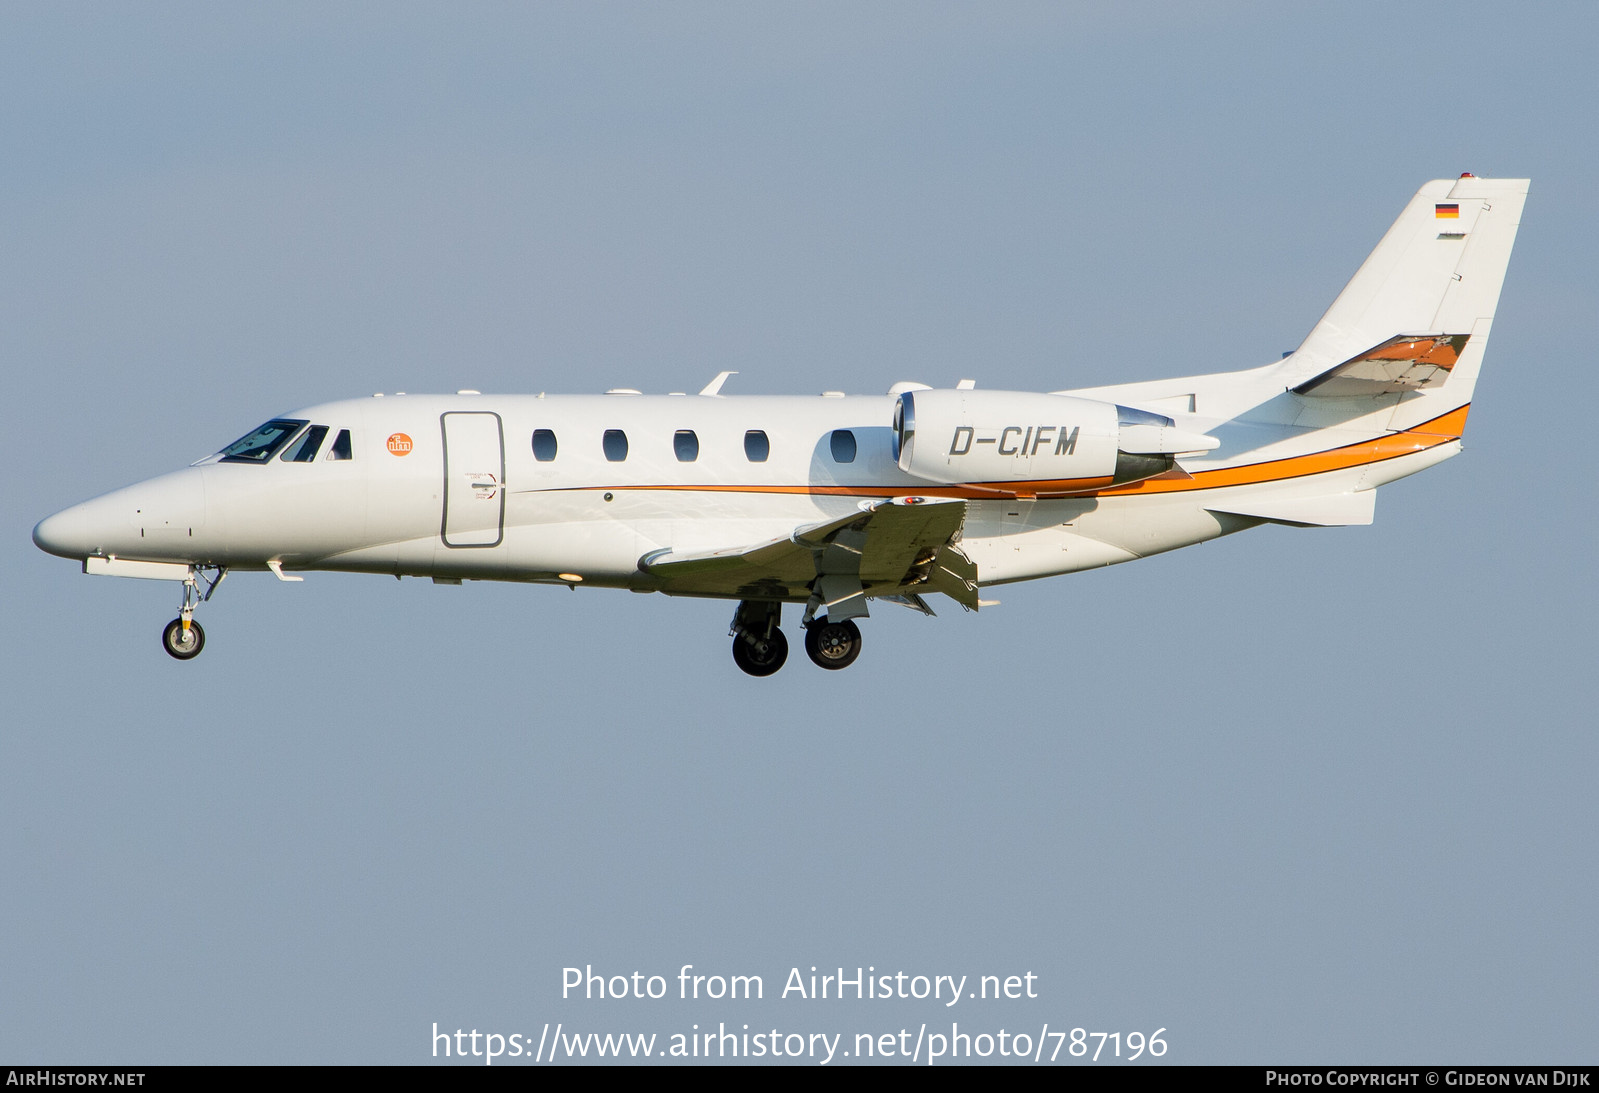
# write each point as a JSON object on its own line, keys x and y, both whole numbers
{"x": 474, "y": 479}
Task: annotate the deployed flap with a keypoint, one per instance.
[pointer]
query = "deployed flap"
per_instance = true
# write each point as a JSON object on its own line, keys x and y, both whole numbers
{"x": 955, "y": 575}
{"x": 1331, "y": 510}
{"x": 883, "y": 543}
{"x": 1407, "y": 362}
{"x": 907, "y": 531}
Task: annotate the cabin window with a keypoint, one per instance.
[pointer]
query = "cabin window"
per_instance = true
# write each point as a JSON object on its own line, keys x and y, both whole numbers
{"x": 262, "y": 444}
{"x": 756, "y": 446}
{"x": 544, "y": 445}
{"x": 843, "y": 443}
{"x": 341, "y": 447}
{"x": 306, "y": 448}
{"x": 686, "y": 445}
{"x": 615, "y": 445}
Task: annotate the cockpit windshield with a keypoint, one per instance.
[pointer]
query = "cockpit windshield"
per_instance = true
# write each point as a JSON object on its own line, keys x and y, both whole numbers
{"x": 262, "y": 444}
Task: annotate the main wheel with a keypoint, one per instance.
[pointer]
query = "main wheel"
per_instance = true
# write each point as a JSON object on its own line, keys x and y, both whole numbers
{"x": 833, "y": 645}
{"x": 763, "y": 657}
{"x": 181, "y": 644}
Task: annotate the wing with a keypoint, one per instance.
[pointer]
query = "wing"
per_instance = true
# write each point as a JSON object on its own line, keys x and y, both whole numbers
{"x": 897, "y": 546}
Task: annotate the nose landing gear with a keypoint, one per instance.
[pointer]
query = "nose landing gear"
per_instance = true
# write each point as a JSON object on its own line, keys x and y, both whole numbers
{"x": 183, "y": 638}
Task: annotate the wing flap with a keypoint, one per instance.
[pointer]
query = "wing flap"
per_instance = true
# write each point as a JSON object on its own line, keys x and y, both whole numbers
{"x": 903, "y": 534}
{"x": 787, "y": 556}
{"x": 892, "y": 541}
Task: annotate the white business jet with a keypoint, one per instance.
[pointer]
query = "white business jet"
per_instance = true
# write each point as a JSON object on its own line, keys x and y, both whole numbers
{"x": 835, "y": 501}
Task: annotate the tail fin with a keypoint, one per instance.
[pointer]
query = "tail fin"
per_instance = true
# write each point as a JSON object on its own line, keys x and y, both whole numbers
{"x": 1416, "y": 315}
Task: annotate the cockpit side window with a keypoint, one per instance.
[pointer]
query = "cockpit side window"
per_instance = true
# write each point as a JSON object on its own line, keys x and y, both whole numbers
{"x": 342, "y": 449}
{"x": 262, "y": 444}
{"x": 306, "y": 448}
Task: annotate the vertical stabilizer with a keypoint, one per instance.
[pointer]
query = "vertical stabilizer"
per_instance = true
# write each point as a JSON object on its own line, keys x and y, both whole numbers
{"x": 1436, "y": 273}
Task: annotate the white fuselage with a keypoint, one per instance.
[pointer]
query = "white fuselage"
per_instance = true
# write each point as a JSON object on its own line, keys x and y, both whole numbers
{"x": 388, "y": 508}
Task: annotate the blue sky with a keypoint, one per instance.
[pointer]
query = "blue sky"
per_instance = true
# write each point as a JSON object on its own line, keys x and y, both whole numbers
{"x": 1293, "y": 795}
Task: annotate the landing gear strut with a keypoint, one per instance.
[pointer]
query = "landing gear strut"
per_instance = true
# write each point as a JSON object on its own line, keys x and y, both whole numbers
{"x": 183, "y": 638}
{"x": 759, "y": 647}
{"x": 833, "y": 645}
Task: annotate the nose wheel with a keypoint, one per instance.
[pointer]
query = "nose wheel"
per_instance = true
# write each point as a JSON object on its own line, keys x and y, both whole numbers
{"x": 183, "y": 638}
{"x": 183, "y": 641}
{"x": 833, "y": 645}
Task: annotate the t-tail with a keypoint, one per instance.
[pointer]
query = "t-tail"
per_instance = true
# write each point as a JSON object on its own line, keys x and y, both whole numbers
{"x": 1414, "y": 322}
{"x": 1378, "y": 390}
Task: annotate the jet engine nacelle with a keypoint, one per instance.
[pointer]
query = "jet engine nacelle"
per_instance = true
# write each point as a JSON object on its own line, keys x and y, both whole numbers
{"x": 1052, "y": 443}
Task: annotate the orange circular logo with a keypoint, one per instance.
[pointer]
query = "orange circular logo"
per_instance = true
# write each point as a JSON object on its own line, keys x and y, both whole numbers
{"x": 399, "y": 444}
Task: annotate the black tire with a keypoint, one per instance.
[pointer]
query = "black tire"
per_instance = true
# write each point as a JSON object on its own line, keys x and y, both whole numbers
{"x": 833, "y": 645}
{"x": 173, "y": 640}
{"x": 763, "y": 657}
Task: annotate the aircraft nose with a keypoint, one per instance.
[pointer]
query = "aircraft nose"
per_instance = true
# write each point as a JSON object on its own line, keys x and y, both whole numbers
{"x": 148, "y": 520}
{"x": 67, "y": 534}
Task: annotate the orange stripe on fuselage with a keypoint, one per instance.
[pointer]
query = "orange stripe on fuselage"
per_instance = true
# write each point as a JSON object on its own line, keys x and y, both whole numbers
{"x": 1429, "y": 434}
{"x": 975, "y": 491}
{"x": 1440, "y": 430}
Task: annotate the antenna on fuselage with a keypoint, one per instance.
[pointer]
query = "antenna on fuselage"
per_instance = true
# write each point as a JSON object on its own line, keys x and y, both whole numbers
{"x": 714, "y": 388}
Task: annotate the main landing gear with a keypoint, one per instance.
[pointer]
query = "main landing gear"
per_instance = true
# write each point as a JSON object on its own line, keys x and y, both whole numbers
{"x": 183, "y": 638}
{"x": 759, "y": 647}
{"x": 833, "y": 645}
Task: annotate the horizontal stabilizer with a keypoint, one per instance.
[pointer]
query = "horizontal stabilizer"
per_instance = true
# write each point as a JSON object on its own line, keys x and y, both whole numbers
{"x": 1330, "y": 510}
{"x": 1407, "y": 362}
